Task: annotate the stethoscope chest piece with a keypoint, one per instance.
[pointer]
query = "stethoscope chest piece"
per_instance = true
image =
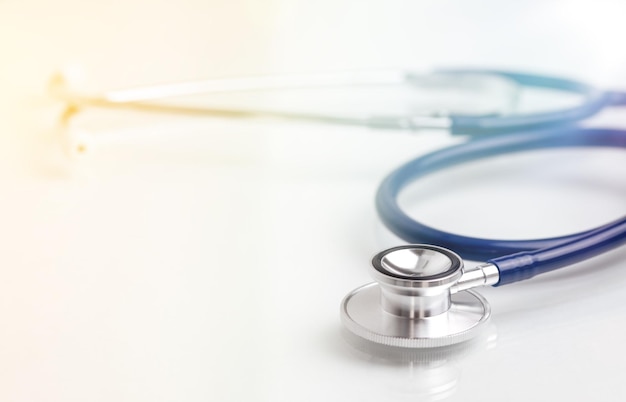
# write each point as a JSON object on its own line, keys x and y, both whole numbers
{"x": 415, "y": 302}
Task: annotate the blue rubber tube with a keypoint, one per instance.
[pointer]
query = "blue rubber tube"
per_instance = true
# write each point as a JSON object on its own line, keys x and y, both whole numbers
{"x": 515, "y": 259}
{"x": 594, "y": 101}
{"x": 619, "y": 99}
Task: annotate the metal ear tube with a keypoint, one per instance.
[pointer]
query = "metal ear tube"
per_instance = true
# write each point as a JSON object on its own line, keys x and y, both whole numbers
{"x": 420, "y": 299}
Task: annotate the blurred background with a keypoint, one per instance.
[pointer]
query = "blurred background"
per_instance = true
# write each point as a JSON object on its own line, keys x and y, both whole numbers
{"x": 133, "y": 43}
{"x": 189, "y": 260}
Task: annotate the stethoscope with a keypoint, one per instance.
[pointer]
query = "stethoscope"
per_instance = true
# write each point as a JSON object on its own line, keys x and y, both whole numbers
{"x": 422, "y": 296}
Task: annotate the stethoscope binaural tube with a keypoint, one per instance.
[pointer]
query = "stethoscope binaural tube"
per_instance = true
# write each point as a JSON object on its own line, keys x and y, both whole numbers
{"x": 150, "y": 99}
{"x": 516, "y": 259}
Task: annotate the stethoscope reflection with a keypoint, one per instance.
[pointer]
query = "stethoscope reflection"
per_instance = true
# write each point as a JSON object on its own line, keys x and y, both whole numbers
{"x": 431, "y": 374}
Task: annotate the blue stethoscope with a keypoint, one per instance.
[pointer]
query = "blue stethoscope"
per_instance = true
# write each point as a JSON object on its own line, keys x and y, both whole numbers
{"x": 422, "y": 296}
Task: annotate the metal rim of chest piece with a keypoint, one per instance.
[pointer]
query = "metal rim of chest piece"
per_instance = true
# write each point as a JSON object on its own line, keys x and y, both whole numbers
{"x": 414, "y": 304}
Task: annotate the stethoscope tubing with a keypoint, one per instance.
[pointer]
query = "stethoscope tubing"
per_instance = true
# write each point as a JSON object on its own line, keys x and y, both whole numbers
{"x": 516, "y": 259}
{"x": 594, "y": 100}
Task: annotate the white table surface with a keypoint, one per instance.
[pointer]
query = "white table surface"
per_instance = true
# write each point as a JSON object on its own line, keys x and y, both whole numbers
{"x": 208, "y": 262}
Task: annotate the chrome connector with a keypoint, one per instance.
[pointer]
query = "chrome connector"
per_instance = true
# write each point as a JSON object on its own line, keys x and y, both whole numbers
{"x": 482, "y": 275}
{"x": 411, "y": 123}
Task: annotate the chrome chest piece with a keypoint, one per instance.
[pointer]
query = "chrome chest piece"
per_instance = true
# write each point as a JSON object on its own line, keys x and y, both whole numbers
{"x": 420, "y": 299}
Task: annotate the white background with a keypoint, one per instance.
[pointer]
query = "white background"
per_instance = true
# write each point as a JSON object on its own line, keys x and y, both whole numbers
{"x": 212, "y": 268}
